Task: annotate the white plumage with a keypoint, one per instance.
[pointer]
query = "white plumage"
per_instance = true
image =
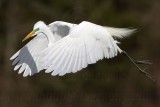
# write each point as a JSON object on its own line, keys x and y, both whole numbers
{"x": 63, "y": 47}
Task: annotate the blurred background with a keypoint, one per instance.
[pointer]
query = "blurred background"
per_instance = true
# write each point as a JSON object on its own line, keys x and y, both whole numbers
{"x": 109, "y": 83}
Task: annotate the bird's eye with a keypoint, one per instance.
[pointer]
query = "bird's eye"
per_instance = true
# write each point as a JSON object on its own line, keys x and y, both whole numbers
{"x": 37, "y": 29}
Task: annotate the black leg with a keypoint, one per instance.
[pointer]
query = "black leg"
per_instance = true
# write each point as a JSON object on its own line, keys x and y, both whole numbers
{"x": 140, "y": 62}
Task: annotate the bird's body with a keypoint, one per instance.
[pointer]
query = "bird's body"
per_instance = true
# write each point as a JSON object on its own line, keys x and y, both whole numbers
{"x": 62, "y": 47}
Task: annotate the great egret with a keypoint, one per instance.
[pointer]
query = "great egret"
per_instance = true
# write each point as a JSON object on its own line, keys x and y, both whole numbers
{"x": 62, "y": 47}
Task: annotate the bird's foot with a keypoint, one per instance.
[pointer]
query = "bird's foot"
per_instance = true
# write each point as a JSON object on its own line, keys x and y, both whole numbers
{"x": 147, "y": 62}
{"x": 143, "y": 71}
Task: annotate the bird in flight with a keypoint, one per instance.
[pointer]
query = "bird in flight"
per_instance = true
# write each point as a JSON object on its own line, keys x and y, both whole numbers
{"x": 61, "y": 47}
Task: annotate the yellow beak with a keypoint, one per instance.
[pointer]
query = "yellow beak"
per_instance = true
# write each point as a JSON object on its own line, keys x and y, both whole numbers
{"x": 31, "y": 34}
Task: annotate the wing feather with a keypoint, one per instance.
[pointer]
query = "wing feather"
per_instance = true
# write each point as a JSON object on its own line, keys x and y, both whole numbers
{"x": 66, "y": 60}
{"x": 75, "y": 65}
{"x": 84, "y": 55}
{"x": 79, "y": 59}
{"x": 15, "y": 55}
{"x": 71, "y": 60}
{"x": 15, "y": 61}
{"x": 58, "y": 68}
{"x": 17, "y": 67}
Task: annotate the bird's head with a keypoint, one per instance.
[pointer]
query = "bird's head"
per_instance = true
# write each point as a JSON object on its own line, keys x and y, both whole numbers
{"x": 36, "y": 29}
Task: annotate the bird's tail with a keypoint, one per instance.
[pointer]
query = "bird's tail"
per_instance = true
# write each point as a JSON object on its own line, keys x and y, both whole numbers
{"x": 120, "y": 32}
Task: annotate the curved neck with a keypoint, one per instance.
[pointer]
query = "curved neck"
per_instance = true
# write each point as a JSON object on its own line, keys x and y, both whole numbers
{"x": 46, "y": 31}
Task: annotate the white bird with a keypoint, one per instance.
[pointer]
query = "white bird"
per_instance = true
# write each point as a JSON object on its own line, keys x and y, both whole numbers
{"x": 62, "y": 47}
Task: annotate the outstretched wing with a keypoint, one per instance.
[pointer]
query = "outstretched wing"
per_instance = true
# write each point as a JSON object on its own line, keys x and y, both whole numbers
{"x": 27, "y": 58}
{"x": 85, "y": 44}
